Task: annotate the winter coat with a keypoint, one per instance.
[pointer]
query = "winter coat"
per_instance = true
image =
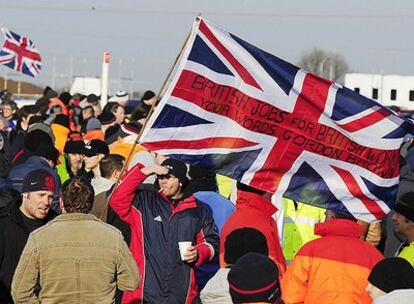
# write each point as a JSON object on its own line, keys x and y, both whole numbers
{"x": 75, "y": 258}
{"x": 217, "y": 289}
{"x": 333, "y": 268}
{"x": 61, "y": 135}
{"x": 13, "y": 237}
{"x": 253, "y": 211}
{"x": 157, "y": 226}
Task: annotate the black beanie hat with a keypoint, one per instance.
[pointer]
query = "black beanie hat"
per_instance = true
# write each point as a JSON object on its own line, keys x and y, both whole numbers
{"x": 405, "y": 205}
{"x": 38, "y": 180}
{"x": 242, "y": 241}
{"x": 65, "y": 97}
{"x": 47, "y": 151}
{"x": 74, "y": 146}
{"x": 49, "y": 93}
{"x": 392, "y": 274}
{"x": 92, "y": 98}
{"x": 106, "y": 118}
{"x": 254, "y": 278}
{"x": 33, "y": 138}
{"x": 62, "y": 120}
{"x": 176, "y": 168}
{"x": 148, "y": 95}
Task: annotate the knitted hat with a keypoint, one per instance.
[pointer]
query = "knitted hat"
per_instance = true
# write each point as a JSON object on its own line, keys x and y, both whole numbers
{"x": 95, "y": 147}
{"x": 32, "y": 139}
{"x": 38, "y": 180}
{"x": 92, "y": 98}
{"x": 242, "y": 241}
{"x": 176, "y": 168}
{"x": 93, "y": 124}
{"x": 254, "y": 278}
{"x": 392, "y": 274}
{"x": 47, "y": 151}
{"x": 74, "y": 146}
{"x": 62, "y": 120}
{"x": 148, "y": 95}
{"x": 106, "y": 118}
{"x": 49, "y": 93}
{"x": 42, "y": 127}
{"x": 405, "y": 205}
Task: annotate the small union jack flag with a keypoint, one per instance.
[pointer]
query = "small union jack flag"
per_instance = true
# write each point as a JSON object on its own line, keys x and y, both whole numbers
{"x": 267, "y": 123}
{"x": 19, "y": 53}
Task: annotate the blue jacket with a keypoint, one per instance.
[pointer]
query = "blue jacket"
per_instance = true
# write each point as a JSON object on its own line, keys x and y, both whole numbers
{"x": 156, "y": 228}
{"x": 221, "y": 208}
{"x": 18, "y": 173}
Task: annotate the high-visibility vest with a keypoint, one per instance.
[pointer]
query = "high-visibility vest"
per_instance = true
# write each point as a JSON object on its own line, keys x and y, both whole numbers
{"x": 408, "y": 253}
{"x": 299, "y": 225}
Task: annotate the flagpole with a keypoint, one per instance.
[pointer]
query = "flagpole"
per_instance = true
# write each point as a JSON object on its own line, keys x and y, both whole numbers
{"x": 103, "y": 212}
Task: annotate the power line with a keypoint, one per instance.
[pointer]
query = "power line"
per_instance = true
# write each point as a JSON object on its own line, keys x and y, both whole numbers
{"x": 233, "y": 13}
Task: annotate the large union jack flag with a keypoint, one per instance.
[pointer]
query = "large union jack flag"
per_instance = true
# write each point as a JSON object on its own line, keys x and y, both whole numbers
{"x": 276, "y": 127}
{"x": 19, "y": 53}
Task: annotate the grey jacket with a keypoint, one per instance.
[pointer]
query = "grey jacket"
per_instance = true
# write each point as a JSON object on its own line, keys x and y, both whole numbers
{"x": 402, "y": 296}
{"x": 75, "y": 258}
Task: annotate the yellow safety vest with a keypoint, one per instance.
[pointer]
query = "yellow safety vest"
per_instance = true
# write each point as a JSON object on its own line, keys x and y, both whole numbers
{"x": 408, "y": 253}
{"x": 299, "y": 226}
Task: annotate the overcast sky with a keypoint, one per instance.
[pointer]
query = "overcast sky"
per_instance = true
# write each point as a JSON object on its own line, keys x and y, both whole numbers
{"x": 144, "y": 37}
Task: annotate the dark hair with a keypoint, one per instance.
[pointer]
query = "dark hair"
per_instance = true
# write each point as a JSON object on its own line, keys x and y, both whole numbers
{"x": 43, "y": 104}
{"x": 27, "y": 110}
{"x": 11, "y": 104}
{"x": 343, "y": 216}
{"x": 244, "y": 187}
{"x": 110, "y": 163}
{"x": 90, "y": 109}
{"x": 77, "y": 195}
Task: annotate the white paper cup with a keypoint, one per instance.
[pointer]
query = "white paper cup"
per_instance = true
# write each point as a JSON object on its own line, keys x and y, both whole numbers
{"x": 183, "y": 246}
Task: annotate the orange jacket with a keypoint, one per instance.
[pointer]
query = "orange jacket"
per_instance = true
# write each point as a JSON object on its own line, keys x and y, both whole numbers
{"x": 125, "y": 148}
{"x": 94, "y": 134}
{"x": 253, "y": 211}
{"x": 61, "y": 135}
{"x": 332, "y": 269}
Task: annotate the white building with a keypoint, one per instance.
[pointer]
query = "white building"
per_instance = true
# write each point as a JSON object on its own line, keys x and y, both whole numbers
{"x": 386, "y": 89}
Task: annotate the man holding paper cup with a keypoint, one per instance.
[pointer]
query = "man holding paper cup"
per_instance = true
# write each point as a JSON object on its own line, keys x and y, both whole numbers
{"x": 171, "y": 233}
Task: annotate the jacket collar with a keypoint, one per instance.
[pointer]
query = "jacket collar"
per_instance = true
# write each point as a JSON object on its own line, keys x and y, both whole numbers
{"x": 253, "y": 200}
{"x": 339, "y": 227}
{"x": 75, "y": 216}
{"x": 187, "y": 203}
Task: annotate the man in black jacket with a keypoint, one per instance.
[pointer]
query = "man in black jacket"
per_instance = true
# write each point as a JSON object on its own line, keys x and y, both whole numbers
{"x": 19, "y": 219}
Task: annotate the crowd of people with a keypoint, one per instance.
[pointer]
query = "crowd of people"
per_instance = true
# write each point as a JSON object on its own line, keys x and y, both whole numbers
{"x": 87, "y": 215}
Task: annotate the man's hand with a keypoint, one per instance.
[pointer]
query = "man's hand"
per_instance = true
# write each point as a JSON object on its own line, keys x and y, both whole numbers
{"x": 155, "y": 169}
{"x": 191, "y": 255}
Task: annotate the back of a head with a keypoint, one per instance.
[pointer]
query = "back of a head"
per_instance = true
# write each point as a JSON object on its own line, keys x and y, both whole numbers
{"x": 77, "y": 195}
{"x": 246, "y": 188}
{"x": 254, "y": 278}
{"x": 392, "y": 274}
{"x": 111, "y": 163}
{"x": 242, "y": 241}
